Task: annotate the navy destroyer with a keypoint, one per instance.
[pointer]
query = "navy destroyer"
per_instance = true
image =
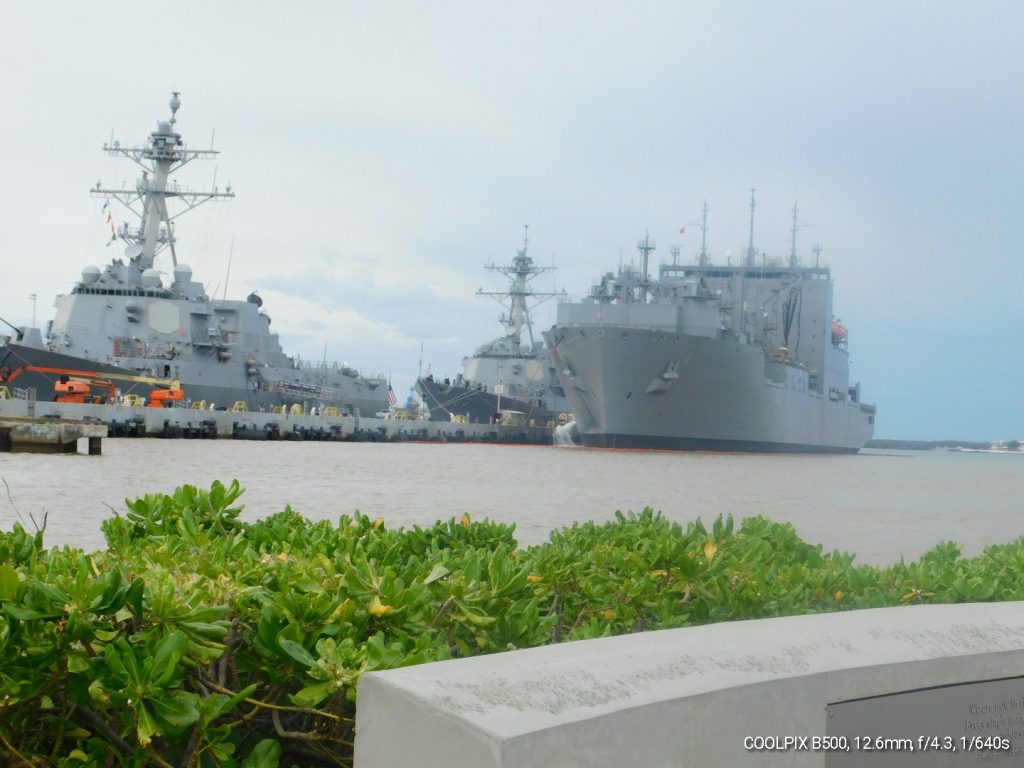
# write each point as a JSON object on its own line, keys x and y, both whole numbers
{"x": 715, "y": 357}
{"x": 131, "y": 327}
{"x": 509, "y": 378}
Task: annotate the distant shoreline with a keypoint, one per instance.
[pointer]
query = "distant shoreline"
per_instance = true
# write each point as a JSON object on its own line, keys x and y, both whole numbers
{"x": 931, "y": 445}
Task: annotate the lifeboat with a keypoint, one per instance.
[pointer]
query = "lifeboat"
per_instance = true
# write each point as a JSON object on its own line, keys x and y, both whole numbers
{"x": 838, "y": 333}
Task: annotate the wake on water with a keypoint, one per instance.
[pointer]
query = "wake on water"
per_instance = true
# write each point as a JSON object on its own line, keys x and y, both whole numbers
{"x": 567, "y": 435}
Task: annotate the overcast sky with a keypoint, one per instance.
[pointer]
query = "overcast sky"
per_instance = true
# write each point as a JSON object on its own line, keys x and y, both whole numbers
{"x": 383, "y": 152}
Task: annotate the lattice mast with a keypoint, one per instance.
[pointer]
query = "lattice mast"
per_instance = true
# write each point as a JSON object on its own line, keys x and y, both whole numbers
{"x": 163, "y": 155}
{"x": 520, "y": 272}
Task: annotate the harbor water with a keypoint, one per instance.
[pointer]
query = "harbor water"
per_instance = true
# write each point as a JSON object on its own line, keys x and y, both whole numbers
{"x": 879, "y": 505}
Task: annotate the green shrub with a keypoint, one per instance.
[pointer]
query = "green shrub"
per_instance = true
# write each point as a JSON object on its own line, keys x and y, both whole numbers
{"x": 197, "y": 639}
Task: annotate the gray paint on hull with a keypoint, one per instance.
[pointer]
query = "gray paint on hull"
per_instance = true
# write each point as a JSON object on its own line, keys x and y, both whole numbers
{"x": 721, "y": 397}
{"x": 661, "y": 443}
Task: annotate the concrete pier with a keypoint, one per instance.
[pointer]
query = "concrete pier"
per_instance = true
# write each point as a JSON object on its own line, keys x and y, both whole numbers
{"x": 27, "y": 435}
{"x": 128, "y": 421}
{"x": 910, "y": 686}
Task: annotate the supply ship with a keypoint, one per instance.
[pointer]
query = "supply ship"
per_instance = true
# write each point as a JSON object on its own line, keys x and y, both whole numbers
{"x": 712, "y": 357}
{"x": 138, "y": 329}
{"x": 509, "y": 377}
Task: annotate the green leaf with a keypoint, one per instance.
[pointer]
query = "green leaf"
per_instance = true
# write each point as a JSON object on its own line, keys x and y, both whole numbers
{"x": 97, "y": 692}
{"x": 514, "y": 584}
{"x": 133, "y": 597}
{"x": 437, "y": 572}
{"x": 112, "y": 596}
{"x": 24, "y": 613}
{"x": 266, "y": 754}
{"x": 167, "y": 654}
{"x": 8, "y": 583}
{"x": 476, "y": 619}
{"x": 147, "y": 727}
{"x": 178, "y": 708}
{"x": 77, "y": 661}
{"x": 222, "y": 751}
{"x": 380, "y": 656}
{"x": 312, "y": 695}
{"x": 218, "y": 705}
{"x": 205, "y": 629}
{"x": 296, "y": 651}
{"x": 123, "y": 614}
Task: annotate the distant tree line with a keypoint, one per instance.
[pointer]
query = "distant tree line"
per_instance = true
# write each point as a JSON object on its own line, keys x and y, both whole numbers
{"x": 931, "y": 445}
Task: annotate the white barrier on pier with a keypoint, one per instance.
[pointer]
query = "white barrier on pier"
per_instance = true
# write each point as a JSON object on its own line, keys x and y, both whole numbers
{"x": 922, "y": 685}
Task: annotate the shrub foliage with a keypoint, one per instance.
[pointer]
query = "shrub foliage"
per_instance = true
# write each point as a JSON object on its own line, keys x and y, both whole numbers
{"x": 197, "y": 639}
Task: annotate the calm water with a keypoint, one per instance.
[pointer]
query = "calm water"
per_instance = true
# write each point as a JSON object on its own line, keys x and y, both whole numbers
{"x": 880, "y": 506}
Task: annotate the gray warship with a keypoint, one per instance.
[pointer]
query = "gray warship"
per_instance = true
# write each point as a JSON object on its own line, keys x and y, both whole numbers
{"x": 711, "y": 357}
{"x": 508, "y": 377}
{"x": 129, "y": 324}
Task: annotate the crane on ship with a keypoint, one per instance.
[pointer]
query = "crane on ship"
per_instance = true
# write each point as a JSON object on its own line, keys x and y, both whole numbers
{"x": 74, "y": 386}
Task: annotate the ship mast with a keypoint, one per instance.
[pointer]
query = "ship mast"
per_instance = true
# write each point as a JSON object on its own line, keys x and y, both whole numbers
{"x": 163, "y": 155}
{"x": 520, "y": 272}
{"x": 793, "y": 261}
{"x": 703, "y": 258}
{"x": 645, "y": 246}
{"x": 750, "y": 247}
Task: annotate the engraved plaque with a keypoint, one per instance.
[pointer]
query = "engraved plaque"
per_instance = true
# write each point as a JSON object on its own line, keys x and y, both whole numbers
{"x": 952, "y": 725}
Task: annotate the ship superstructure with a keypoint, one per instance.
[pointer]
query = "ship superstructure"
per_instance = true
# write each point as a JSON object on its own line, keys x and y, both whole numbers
{"x": 743, "y": 357}
{"x": 512, "y": 373}
{"x": 129, "y": 317}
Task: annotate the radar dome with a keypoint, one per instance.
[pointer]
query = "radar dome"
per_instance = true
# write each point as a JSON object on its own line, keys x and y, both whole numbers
{"x": 90, "y": 274}
{"x": 151, "y": 278}
{"x": 163, "y": 126}
{"x": 182, "y": 273}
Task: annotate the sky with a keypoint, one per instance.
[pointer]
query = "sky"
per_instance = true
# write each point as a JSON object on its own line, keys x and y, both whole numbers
{"x": 383, "y": 153}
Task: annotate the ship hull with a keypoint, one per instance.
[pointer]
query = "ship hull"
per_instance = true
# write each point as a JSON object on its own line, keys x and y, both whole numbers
{"x": 475, "y": 404}
{"x": 26, "y": 367}
{"x": 662, "y": 443}
{"x": 652, "y": 389}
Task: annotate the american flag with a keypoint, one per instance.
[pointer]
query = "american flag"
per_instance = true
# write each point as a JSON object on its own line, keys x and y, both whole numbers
{"x": 392, "y": 400}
